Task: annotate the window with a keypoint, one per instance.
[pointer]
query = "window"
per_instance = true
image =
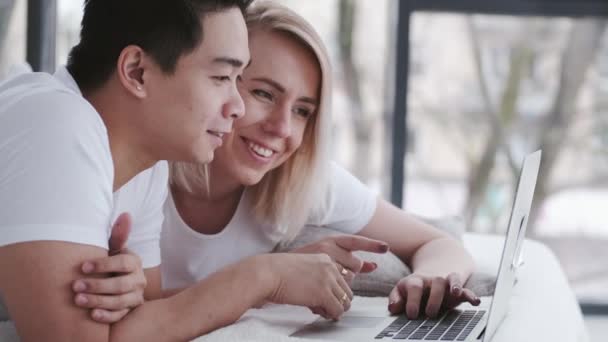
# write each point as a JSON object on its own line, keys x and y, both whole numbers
{"x": 12, "y": 37}
{"x": 490, "y": 89}
{"x": 69, "y": 15}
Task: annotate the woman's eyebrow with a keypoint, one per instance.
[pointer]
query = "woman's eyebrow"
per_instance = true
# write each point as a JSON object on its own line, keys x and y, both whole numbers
{"x": 281, "y": 89}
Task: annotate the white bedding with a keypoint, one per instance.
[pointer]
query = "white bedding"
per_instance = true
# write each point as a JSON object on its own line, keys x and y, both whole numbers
{"x": 543, "y": 307}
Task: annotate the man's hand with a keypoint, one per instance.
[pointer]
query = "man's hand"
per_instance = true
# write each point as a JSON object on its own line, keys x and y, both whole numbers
{"x": 432, "y": 294}
{"x": 111, "y": 298}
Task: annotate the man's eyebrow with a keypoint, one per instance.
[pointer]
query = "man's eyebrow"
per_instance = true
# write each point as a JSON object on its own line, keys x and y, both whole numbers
{"x": 281, "y": 89}
{"x": 234, "y": 62}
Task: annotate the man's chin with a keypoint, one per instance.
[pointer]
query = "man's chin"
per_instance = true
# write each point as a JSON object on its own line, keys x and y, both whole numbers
{"x": 203, "y": 157}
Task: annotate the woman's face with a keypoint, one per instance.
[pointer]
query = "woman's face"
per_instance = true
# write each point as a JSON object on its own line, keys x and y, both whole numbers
{"x": 280, "y": 90}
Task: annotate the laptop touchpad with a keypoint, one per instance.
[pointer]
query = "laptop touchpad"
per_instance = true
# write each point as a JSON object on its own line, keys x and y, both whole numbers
{"x": 359, "y": 322}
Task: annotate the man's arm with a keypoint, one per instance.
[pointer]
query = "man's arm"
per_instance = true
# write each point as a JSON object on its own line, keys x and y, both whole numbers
{"x": 35, "y": 283}
{"x": 35, "y": 280}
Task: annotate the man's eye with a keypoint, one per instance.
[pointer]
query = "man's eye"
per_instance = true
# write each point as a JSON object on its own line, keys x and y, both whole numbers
{"x": 221, "y": 78}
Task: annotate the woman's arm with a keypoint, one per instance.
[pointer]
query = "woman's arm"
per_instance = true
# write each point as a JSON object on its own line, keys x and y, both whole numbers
{"x": 440, "y": 263}
{"x": 424, "y": 248}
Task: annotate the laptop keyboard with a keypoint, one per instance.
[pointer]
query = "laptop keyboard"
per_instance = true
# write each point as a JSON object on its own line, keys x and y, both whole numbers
{"x": 455, "y": 325}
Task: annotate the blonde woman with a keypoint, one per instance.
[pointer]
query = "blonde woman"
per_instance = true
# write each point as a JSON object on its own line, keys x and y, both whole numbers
{"x": 272, "y": 176}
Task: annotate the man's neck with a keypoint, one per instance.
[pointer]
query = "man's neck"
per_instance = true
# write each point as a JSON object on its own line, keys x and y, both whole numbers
{"x": 128, "y": 152}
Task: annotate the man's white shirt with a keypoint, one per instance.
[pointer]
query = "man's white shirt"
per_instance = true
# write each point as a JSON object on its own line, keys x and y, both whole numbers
{"x": 57, "y": 173}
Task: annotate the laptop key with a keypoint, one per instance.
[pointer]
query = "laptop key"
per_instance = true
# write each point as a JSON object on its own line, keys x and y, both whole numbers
{"x": 443, "y": 326}
{"x": 408, "y": 329}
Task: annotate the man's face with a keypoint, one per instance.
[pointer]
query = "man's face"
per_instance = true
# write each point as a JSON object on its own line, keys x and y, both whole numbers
{"x": 191, "y": 109}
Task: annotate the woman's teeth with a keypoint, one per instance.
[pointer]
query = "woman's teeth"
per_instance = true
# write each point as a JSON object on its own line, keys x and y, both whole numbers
{"x": 259, "y": 150}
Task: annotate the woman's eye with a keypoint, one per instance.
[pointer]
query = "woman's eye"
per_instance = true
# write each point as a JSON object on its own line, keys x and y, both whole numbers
{"x": 262, "y": 93}
{"x": 303, "y": 112}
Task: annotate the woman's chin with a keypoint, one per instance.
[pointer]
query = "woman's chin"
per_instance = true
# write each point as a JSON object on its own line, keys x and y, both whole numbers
{"x": 252, "y": 178}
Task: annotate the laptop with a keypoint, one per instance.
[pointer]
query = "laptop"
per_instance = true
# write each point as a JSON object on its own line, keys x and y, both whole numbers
{"x": 463, "y": 323}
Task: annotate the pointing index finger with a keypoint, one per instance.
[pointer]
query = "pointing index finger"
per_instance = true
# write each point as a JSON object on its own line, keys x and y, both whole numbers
{"x": 361, "y": 243}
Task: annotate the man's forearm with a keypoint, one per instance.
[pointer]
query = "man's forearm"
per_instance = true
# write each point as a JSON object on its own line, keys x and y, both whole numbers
{"x": 216, "y": 301}
{"x": 443, "y": 256}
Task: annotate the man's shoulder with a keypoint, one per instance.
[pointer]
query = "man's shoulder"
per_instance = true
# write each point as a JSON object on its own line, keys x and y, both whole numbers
{"x": 44, "y": 96}
{"x": 40, "y": 104}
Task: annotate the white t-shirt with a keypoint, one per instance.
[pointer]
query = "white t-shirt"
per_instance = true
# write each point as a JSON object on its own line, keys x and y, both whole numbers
{"x": 57, "y": 171}
{"x": 189, "y": 256}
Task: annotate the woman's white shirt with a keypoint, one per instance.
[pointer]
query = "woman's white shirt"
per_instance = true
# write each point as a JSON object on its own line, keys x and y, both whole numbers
{"x": 189, "y": 256}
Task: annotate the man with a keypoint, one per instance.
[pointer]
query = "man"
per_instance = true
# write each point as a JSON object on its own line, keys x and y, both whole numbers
{"x": 150, "y": 80}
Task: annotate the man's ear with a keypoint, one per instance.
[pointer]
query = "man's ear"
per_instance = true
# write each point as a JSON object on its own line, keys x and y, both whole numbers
{"x": 130, "y": 67}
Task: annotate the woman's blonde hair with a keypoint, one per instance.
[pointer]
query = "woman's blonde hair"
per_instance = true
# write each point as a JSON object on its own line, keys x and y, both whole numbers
{"x": 288, "y": 195}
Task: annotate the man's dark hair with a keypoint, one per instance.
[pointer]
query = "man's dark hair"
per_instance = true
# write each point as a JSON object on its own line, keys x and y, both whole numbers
{"x": 164, "y": 29}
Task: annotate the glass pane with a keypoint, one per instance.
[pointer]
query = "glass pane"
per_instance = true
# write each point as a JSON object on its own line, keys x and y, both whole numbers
{"x": 12, "y": 37}
{"x": 69, "y": 15}
{"x": 484, "y": 91}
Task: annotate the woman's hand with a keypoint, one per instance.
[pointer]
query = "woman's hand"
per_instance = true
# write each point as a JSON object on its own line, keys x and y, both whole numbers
{"x": 340, "y": 248}
{"x": 311, "y": 280}
{"x": 111, "y": 298}
{"x": 419, "y": 293}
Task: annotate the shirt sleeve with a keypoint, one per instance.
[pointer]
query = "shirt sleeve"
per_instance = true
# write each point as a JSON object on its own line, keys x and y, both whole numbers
{"x": 350, "y": 205}
{"x": 57, "y": 173}
{"x": 148, "y": 221}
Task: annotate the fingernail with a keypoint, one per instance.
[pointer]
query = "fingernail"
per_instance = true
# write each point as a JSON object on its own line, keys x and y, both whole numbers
{"x": 374, "y": 265}
{"x": 81, "y": 299}
{"x": 87, "y": 267}
{"x": 79, "y": 286}
{"x": 97, "y": 314}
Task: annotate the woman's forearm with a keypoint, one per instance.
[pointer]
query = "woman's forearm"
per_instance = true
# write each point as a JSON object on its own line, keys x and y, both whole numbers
{"x": 443, "y": 256}
{"x": 216, "y": 301}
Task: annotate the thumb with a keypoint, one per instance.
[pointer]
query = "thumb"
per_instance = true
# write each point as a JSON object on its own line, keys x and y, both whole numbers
{"x": 120, "y": 233}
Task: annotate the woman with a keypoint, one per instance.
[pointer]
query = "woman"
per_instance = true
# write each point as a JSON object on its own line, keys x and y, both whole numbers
{"x": 272, "y": 176}
{"x": 268, "y": 180}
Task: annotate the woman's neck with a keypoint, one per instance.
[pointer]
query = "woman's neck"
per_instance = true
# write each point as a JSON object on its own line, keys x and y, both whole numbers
{"x": 207, "y": 213}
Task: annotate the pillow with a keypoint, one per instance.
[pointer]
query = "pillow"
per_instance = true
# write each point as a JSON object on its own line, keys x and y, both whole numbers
{"x": 391, "y": 269}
